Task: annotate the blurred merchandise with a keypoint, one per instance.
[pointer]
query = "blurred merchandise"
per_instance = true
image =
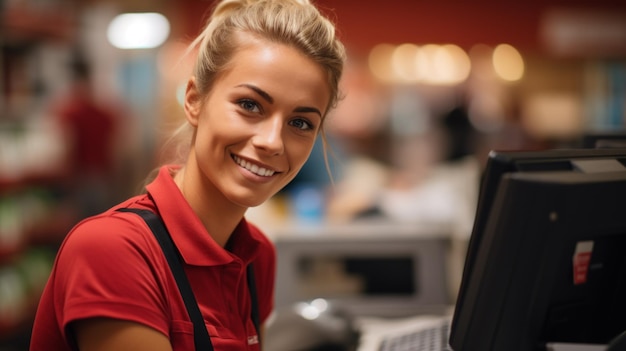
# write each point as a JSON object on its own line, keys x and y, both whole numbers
{"x": 35, "y": 38}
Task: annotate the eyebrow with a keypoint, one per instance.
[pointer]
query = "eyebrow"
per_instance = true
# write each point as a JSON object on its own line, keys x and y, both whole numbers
{"x": 268, "y": 98}
{"x": 308, "y": 109}
{"x": 259, "y": 91}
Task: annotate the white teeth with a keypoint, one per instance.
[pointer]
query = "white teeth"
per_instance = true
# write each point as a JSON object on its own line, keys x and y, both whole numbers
{"x": 263, "y": 172}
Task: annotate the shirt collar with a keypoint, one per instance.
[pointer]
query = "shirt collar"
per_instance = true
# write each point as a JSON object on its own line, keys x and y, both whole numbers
{"x": 190, "y": 236}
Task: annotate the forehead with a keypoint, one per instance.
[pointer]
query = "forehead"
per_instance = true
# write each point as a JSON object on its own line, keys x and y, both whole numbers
{"x": 277, "y": 68}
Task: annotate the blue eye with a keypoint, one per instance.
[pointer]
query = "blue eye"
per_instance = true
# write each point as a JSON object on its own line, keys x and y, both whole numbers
{"x": 249, "y": 105}
{"x": 302, "y": 124}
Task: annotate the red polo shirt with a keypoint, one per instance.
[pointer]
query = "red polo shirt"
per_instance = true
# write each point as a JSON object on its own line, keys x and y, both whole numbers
{"x": 110, "y": 265}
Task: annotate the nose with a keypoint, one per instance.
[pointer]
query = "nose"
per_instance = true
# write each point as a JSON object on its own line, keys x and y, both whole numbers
{"x": 269, "y": 136}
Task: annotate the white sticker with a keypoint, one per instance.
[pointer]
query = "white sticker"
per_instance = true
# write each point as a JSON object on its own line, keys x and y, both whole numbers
{"x": 581, "y": 260}
{"x": 252, "y": 340}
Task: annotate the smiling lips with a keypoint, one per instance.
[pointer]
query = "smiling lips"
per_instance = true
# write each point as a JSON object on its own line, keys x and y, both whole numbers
{"x": 260, "y": 171}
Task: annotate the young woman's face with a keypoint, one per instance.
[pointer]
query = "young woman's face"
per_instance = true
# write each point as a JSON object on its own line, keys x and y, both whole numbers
{"x": 259, "y": 122}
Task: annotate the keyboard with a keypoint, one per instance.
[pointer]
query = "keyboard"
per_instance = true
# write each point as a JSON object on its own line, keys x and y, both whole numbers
{"x": 419, "y": 333}
{"x": 430, "y": 338}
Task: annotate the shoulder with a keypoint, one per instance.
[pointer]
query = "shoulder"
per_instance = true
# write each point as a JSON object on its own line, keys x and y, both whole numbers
{"x": 265, "y": 257}
{"x": 108, "y": 227}
{"x": 110, "y": 265}
{"x": 264, "y": 265}
{"x": 259, "y": 234}
{"x": 111, "y": 235}
{"x": 266, "y": 246}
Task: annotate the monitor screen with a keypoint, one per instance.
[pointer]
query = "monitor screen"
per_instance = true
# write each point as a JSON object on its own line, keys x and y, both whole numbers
{"x": 545, "y": 261}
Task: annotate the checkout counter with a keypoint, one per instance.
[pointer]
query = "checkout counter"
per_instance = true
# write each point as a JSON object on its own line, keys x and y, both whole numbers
{"x": 368, "y": 267}
{"x": 363, "y": 273}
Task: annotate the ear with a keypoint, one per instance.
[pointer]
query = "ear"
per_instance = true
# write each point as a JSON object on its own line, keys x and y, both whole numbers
{"x": 193, "y": 102}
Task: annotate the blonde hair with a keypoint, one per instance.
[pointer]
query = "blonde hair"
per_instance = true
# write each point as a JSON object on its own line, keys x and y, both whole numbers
{"x": 296, "y": 23}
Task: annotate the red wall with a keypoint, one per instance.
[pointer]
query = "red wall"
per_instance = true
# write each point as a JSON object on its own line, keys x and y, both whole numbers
{"x": 364, "y": 23}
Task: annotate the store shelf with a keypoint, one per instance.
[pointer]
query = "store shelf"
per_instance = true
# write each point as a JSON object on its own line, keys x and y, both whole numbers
{"x": 34, "y": 213}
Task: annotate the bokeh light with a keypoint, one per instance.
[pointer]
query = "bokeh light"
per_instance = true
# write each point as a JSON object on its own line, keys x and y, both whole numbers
{"x": 508, "y": 63}
{"x": 138, "y": 30}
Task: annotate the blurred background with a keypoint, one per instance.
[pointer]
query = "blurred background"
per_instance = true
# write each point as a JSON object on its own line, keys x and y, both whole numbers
{"x": 90, "y": 89}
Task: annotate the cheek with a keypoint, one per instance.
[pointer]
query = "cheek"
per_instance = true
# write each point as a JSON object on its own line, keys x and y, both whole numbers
{"x": 300, "y": 153}
{"x": 212, "y": 132}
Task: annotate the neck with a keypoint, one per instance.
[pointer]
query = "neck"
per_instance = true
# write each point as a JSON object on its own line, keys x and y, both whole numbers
{"x": 218, "y": 215}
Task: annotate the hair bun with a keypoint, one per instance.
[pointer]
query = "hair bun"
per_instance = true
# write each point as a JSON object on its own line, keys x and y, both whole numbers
{"x": 226, "y": 6}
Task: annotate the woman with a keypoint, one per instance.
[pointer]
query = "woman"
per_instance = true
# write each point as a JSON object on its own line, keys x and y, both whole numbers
{"x": 266, "y": 75}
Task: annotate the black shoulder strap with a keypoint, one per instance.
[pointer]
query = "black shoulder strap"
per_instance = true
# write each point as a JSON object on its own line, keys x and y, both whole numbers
{"x": 201, "y": 336}
{"x": 254, "y": 300}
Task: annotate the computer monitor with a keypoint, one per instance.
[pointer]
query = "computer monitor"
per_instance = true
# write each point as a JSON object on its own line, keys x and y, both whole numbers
{"x": 546, "y": 261}
{"x": 603, "y": 140}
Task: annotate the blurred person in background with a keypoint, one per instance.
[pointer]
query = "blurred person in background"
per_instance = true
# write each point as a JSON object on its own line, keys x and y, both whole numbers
{"x": 91, "y": 128}
{"x": 360, "y": 126}
{"x": 266, "y": 75}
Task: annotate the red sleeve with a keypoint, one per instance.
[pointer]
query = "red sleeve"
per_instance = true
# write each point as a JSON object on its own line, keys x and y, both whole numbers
{"x": 109, "y": 267}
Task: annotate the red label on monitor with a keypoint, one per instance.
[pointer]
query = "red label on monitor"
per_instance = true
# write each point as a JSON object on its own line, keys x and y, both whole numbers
{"x": 581, "y": 260}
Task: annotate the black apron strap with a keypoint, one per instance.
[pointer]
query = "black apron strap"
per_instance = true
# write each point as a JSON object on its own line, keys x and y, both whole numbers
{"x": 201, "y": 336}
{"x": 254, "y": 299}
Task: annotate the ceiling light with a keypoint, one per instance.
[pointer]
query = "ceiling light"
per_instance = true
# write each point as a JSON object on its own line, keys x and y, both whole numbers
{"x": 138, "y": 30}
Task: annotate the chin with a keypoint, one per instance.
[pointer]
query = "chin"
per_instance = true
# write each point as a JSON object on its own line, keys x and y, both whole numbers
{"x": 252, "y": 204}
{"x": 249, "y": 197}
{"x": 249, "y": 201}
